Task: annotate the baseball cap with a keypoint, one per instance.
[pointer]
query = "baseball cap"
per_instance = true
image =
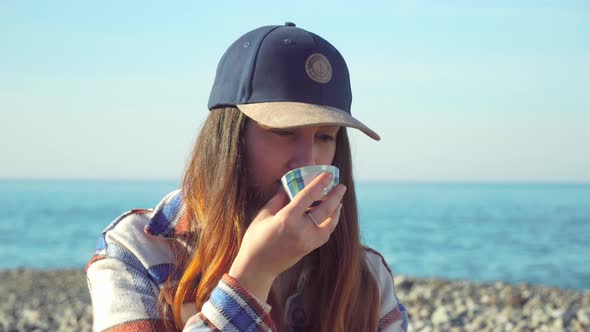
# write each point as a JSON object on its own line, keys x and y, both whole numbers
{"x": 283, "y": 76}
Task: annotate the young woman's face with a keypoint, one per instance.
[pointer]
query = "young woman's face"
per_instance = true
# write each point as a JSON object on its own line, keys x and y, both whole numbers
{"x": 271, "y": 152}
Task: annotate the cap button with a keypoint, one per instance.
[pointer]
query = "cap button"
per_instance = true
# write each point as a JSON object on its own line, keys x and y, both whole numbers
{"x": 289, "y": 24}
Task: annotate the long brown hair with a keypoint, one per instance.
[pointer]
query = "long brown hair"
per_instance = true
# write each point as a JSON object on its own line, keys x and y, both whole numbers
{"x": 214, "y": 191}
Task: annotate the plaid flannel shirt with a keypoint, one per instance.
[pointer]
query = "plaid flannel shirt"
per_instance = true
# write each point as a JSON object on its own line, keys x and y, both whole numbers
{"x": 133, "y": 259}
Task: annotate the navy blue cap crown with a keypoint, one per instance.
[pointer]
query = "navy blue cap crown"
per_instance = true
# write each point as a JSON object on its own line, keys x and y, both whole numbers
{"x": 281, "y": 64}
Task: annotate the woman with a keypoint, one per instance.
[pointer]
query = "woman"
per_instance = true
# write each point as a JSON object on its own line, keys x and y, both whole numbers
{"x": 229, "y": 251}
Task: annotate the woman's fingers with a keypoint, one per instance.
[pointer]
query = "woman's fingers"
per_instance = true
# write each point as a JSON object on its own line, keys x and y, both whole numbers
{"x": 311, "y": 193}
{"x": 282, "y": 233}
{"x": 329, "y": 204}
{"x": 274, "y": 205}
{"x": 332, "y": 221}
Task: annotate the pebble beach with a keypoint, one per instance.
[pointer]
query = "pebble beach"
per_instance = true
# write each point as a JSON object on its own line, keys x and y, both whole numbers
{"x": 58, "y": 300}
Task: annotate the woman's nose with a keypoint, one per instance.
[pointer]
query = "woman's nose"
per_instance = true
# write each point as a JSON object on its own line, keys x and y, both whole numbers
{"x": 302, "y": 155}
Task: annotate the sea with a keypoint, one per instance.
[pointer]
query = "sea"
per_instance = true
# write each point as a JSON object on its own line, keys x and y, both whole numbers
{"x": 538, "y": 233}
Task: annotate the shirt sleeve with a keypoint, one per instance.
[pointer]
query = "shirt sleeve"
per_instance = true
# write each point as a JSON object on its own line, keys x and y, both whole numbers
{"x": 124, "y": 299}
{"x": 125, "y": 277}
{"x": 125, "y": 274}
{"x": 231, "y": 308}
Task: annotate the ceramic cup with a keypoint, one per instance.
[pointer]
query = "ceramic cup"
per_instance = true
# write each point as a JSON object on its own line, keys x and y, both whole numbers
{"x": 295, "y": 180}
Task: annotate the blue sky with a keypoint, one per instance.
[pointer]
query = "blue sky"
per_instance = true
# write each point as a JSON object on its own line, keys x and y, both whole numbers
{"x": 458, "y": 90}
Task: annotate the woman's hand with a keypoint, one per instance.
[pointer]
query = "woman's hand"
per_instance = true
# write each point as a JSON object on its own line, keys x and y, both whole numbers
{"x": 281, "y": 235}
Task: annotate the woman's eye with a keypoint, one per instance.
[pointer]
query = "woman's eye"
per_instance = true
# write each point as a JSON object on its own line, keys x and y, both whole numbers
{"x": 326, "y": 138}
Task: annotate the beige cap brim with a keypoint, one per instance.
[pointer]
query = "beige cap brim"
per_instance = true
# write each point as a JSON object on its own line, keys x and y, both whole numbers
{"x": 291, "y": 114}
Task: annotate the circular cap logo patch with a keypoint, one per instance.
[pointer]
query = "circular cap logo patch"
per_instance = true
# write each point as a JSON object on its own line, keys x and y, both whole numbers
{"x": 318, "y": 68}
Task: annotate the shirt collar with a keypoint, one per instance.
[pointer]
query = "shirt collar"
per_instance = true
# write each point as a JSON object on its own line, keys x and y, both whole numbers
{"x": 170, "y": 218}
